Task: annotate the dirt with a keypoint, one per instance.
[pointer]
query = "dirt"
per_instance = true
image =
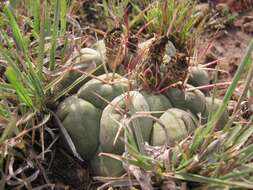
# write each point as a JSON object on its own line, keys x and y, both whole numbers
{"x": 225, "y": 48}
{"x": 228, "y": 45}
{"x": 67, "y": 172}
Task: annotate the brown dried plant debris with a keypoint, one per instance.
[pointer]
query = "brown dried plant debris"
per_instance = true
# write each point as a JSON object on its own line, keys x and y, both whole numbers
{"x": 114, "y": 48}
{"x": 120, "y": 46}
{"x": 158, "y": 74}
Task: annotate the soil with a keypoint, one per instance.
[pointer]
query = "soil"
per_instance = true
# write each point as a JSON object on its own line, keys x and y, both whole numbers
{"x": 67, "y": 172}
{"x": 229, "y": 45}
{"x": 225, "y": 48}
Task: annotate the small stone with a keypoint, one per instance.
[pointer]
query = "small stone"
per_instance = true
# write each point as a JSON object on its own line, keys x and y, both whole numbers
{"x": 217, "y": 50}
{"x": 203, "y": 7}
{"x": 223, "y": 7}
{"x": 247, "y": 19}
{"x": 210, "y": 57}
{"x": 238, "y": 44}
{"x": 170, "y": 49}
{"x": 248, "y": 27}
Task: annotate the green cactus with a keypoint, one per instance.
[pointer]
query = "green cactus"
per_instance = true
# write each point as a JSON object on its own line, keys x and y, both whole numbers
{"x": 157, "y": 103}
{"x": 105, "y": 166}
{"x": 101, "y": 90}
{"x": 129, "y": 103}
{"x": 81, "y": 120}
{"x": 198, "y": 77}
{"x": 178, "y": 125}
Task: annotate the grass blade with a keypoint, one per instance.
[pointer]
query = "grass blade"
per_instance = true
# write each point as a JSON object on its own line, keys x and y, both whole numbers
{"x": 15, "y": 30}
{"x": 213, "y": 181}
{"x": 18, "y": 86}
{"x": 63, "y": 16}
{"x": 47, "y": 18}
{"x": 9, "y": 130}
{"x": 35, "y": 8}
{"x": 57, "y": 6}
{"x": 41, "y": 47}
{"x": 245, "y": 135}
{"x": 232, "y": 136}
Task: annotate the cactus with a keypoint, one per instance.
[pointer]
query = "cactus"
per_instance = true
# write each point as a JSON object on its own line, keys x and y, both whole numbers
{"x": 105, "y": 166}
{"x": 87, "y": 60}
{"x": 177, "y": 98}
{"x": 157, "y": 103}
{"x": 198, "y": 77}
{"x": 195, "y": 101}
{"x": 178, "y": 125}
{"x": 124, "y": 105}
{"x": 81, "y": 120}
{"x": 212, "y": 106}
{"x": 101, "y": 90}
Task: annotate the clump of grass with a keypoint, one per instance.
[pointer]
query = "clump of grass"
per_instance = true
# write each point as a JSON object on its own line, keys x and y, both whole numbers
{"x": 117, "y": 13}
{"x": 114, "y": 11}
{"x": 220, "y": 18}
{"x": 176, "y": 18}
{"x": 33, "y": 43}
{"x": 24, "y": 69}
